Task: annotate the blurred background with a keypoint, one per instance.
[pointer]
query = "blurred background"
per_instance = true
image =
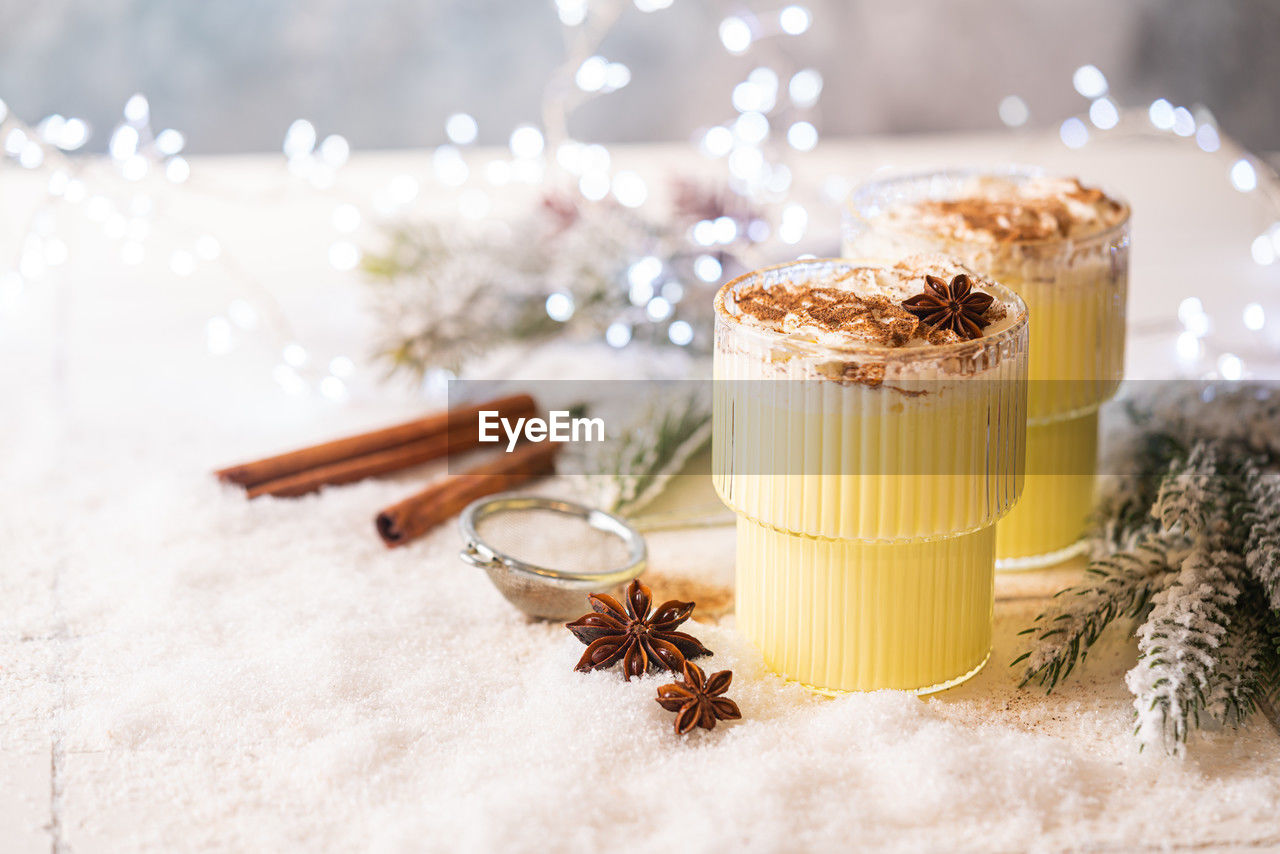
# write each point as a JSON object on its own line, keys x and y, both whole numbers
{"x": 233, "y": 74}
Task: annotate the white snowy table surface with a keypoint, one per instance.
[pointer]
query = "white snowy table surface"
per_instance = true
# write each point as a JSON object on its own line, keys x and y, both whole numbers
{"x": 183, "y": 670}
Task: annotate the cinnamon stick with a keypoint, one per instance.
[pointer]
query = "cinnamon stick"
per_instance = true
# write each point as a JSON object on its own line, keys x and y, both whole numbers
{"x": 370, "y": 465}
{"x": 418, "y": 514}
{"x": 377, "y": 442}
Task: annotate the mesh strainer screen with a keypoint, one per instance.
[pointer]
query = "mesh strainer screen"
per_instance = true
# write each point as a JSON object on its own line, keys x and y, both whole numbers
{"x": 552, "y": 540}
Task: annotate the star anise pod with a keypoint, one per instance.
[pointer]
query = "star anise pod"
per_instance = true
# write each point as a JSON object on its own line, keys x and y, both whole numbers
{"x": 955, "y": 306}
{"x": 697, "y": 701}
{"x": 630, "y": 635}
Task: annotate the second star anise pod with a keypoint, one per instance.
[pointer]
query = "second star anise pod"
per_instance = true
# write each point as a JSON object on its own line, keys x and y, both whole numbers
{"x": 629, "y": 634}
{"x": 955, "y": 306}
{"x": 697, "y": 701}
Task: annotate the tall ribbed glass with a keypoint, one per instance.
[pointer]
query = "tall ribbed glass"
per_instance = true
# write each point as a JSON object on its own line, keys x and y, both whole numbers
{"x": 867, "y": 481}
{"x": 1075, "y": 290}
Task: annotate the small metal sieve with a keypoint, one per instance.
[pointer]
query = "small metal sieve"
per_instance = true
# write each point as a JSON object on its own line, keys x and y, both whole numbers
{"x": 545, "y": 554}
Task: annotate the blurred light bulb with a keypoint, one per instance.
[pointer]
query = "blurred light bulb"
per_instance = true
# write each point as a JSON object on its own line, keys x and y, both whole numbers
{"x": 1230, "y": 366}
{"x": 1073, "y": 132}
{"x": 335, "y": 150}
{"x": 618, "y": 334}
{"x": 571, "y": 12}
{"x": 1103, "y": 114}
{"x": 658, "y": 309}
{"x": 1243, "y": 176}
{"x": 794, "y": 20}
{"x": 1255, "y": 317}
{"x": 805, "y": 87}
{"x": 1013, "y": 111}
{"x": 1089, "y": 81}
{"x": 795, "y": 219}
{"x": 707, "y": 268}
{"x": 124, "y": 143}
{"x": 590, "y": 76}
{"x": 559, "y": 306}
{"x": 1207, "y": 138}
{"x": 680, "y": 333}
{"x": 170, "y": 142}
{"x": 616, "y": 76}
{"x": 526, "y": 141}
{"x": 594, "y": 185}
{"x": 461, "y": 129}
{"x": 717, "y": 141}
{"x": 629, "y": 189}
{"x": 751, "y": 127}
{"x": 735, "y": 34}
{"x": 1161, "y": 114}
{"x": 802, "y": 136}
{"x": 1184, "y": 124}
{"x": 137, "y": 109}
{"x": 1263, "y": 250}
{"x": 299, "y": 139}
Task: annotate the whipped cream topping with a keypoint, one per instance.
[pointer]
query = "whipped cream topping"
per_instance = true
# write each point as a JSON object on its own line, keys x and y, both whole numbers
{"x": 997, "y": 209}
{"x": 861, "y": 306}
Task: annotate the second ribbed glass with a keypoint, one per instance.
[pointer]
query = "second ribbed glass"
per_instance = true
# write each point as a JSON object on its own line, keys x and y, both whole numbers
{"x": 1075, "y": 290}
{"x": 866, "y": 538}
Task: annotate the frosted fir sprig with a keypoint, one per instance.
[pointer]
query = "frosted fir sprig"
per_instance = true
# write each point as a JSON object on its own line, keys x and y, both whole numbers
{"x": 1187, "y": 500}
{"x": 1247, "y": 670}
{"x": 444, "y": 293}
{"x": 566, "y": 267}
{"x": 625, "y": 474}
{"x": 1262, "y": 516}
{"x": 1180, "y": 648}
{"x": 1187, "y": 547}
{"x": 1116, "y": 586}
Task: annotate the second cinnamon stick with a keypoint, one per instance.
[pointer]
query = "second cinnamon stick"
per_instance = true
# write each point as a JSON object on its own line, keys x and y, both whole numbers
{"x": 418, "y": 514}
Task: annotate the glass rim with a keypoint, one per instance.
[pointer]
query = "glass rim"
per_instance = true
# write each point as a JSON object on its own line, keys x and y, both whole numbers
{"x": 886, "y": 354}
{"x": 856, "y": 201}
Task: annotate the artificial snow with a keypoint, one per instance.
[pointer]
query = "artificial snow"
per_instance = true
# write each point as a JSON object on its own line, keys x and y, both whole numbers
{"x": 185, "y": 670}
{"x": 218, "y": 673}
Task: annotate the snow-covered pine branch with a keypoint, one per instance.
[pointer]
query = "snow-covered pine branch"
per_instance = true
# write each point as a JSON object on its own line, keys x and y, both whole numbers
{"x": 1120, "y": 585}
{"x": 1262, "y": 545}
{"x": 1179, "y": 647}
{"x": 1200, "y": 469}
{"x": 1187, "y": 495}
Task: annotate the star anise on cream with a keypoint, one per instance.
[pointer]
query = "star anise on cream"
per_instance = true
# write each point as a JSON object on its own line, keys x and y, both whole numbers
{"x": 699, "y": 700}
{"x": 629, "y": 634}
{"x": 956, "y": 306}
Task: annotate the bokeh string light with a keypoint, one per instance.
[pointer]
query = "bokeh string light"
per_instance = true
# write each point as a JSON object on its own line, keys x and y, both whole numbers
{"x": 1244, "y": 172}
{"x": 118, "y": 194}
{"x": 773, "y": 119}
{"x": 771, "y": 116}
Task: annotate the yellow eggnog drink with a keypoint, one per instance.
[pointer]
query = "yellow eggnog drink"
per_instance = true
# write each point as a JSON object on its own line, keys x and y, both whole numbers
{"x": 869, "y": 431}
{"x": 1064, "y": 249}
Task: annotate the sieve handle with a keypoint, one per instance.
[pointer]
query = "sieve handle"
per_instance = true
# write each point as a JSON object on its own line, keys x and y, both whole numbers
{"x": 477, "y": 555}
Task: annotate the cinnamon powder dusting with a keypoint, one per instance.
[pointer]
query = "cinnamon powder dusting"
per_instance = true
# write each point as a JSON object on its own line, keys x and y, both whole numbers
{"x": 1024, "y": 218}
{"x": 871, "y": 318}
